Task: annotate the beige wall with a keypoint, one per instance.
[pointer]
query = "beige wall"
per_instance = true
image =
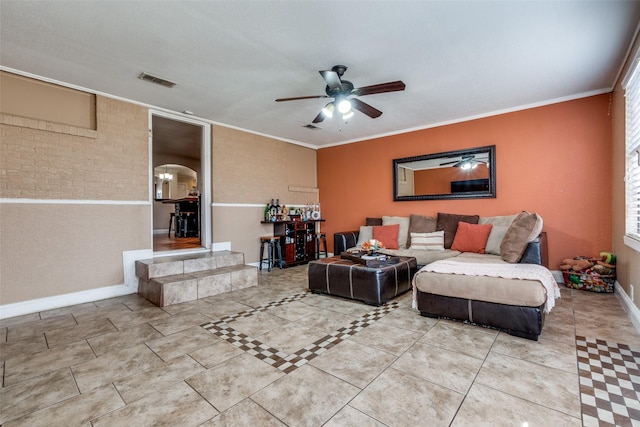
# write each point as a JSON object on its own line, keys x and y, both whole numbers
{"x": 628, "y": 268}
{"x": 249, "y": 169}
{"x": 73, "y": 200}
{"x": 42, "y": 160}
{"x": 25, "y": 97}
{"x": 54, "y": 249}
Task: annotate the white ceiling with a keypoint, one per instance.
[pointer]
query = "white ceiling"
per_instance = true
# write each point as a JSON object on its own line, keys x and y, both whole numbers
{"x": 232, "y": 59}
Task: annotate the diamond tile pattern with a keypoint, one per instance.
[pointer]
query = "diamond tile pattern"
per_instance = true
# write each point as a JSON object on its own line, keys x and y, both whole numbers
{"x": 609, "y": 382}
{"x": 278, "y": 359}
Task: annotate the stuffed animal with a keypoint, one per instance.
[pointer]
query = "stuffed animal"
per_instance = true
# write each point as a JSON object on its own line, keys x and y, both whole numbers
{"x": 608, "y": 260}
{"x": 576, "y": 264}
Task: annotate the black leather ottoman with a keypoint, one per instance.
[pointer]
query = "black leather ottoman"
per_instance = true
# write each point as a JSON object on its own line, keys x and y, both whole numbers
{"x": 374, "y": 285}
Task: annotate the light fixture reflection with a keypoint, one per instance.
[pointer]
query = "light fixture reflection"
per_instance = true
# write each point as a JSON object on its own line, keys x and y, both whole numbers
{"x": 344, "y": 106}
{"x": 468, "y": 166}
{"x": 328, "y": 110}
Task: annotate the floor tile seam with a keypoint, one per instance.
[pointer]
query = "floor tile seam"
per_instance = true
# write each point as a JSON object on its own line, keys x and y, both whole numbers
{"x": 524, "y": 400}
{"x": 37, "y": 333}
{"x": 4, "y": 377}
{"x": 199, "y": 394}
{"x": 49, "y": 405}
{"x": 572, "y": 372}
{"x": 364, "y": 413}
{"x": 475, "y": 379}
{"x": 22, "y": 324}
{"x": 259, "y": 405}
{"x": 262, "y": 308}
{"x": 541, "y": 365}
{"x": 83, "y": 338}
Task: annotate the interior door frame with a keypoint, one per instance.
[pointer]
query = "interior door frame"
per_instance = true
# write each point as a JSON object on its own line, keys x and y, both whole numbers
{"x": 205, "y": 171}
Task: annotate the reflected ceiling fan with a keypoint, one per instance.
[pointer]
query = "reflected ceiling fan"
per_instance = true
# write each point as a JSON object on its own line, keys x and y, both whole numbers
{"x": 342, "y": 92}
{"x": 466, "y": 162}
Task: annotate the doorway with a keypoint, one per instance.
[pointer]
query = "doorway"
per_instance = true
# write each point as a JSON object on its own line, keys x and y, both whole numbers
{"x": 180, "y": 183}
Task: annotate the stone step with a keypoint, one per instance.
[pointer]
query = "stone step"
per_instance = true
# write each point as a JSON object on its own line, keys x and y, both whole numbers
{"x": 183, "y": 264}
{"x": 178, "y": 288}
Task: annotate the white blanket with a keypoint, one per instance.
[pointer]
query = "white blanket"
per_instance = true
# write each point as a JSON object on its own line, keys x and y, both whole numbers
{"x": 504, "y": 270}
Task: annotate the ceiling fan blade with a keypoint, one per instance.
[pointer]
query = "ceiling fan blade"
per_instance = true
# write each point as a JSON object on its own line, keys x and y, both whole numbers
{"x": 379, "y": 88}
{"x": 365, "y": 108}
{"x": 449, "y": 163}
{"x": 319, "y": 118}
{"x": 332, "y": 78}
{"x": 301, "y": 97}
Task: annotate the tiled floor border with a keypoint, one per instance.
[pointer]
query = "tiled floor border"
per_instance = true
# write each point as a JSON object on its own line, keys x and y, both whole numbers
{"x": 609, "y": 383}
{"x": 289, "y": 362}
{"x": 609, "y": 373}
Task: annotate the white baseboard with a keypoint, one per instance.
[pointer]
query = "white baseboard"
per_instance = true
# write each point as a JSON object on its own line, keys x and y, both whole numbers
{"x": 628, "y": 306}
{"x": 130, "y": 286}
{"x": 57, "y": 301}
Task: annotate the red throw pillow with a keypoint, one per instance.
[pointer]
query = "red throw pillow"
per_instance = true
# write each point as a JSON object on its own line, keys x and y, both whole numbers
{"x": 471, "y": 237}
{"x": 387, "y": 234}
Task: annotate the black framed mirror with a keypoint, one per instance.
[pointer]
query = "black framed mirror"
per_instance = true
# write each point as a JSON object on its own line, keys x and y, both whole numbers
{"x": 460, "y": 174}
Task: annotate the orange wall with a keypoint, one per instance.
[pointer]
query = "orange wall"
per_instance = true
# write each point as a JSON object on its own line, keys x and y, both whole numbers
{"x": 554, "y": 160}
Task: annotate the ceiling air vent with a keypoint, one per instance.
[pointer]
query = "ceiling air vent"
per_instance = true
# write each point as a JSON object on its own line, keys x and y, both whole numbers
{"x": 156, "y": 80}
{"x": 310, "y": 126}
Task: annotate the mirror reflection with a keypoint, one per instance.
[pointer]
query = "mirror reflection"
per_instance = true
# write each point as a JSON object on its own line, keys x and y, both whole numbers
{"x": 172, "y": 181}
{"x": 460, "y": 174}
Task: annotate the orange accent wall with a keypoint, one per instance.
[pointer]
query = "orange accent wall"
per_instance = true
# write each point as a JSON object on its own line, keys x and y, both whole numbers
{"x": 555, "y": 160}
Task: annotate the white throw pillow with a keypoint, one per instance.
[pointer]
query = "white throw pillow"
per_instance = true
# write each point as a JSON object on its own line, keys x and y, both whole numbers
{"x": 500, "y": 226}
{"x": 403, "y": 233}
{"x": 428, "y": 241}
{"x": 495, "y": 239}
{"x": 366, "y": 234}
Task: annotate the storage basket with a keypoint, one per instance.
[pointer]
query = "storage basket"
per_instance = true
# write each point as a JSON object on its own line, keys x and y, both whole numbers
{"x": 589, "y": 281}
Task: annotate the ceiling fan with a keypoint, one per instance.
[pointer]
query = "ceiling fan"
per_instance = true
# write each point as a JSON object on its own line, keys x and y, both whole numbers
{"x": 342, "y": 91}
{"x": 465, "y": 162}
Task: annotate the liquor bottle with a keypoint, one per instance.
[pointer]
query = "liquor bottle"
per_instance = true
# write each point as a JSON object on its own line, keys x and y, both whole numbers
{"x": 278, "y": 207}
{"x": 272, "y": 211}
{"x": 266, "y": 213}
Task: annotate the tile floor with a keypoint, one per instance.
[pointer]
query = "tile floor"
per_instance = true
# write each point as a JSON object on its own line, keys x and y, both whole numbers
{"x": 278, "y": 355}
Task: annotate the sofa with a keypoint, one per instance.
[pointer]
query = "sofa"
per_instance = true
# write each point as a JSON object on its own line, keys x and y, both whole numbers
{"x": 468, "y": 266}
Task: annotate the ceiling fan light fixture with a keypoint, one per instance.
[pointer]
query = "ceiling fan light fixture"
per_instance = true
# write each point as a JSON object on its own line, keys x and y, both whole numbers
{"x": 344, "y": 106}
{"x": 347, "y": 116}
{"x": 466, "y": 166}
{"x": 328, "y": 110}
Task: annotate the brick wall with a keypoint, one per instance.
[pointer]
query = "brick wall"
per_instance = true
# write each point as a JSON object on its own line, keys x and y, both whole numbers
{"x": 45, "y": 160}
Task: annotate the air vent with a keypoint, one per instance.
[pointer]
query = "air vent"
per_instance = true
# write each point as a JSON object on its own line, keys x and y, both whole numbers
{"x": 156, "y": 80}
{"x": 310, "y": 126}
